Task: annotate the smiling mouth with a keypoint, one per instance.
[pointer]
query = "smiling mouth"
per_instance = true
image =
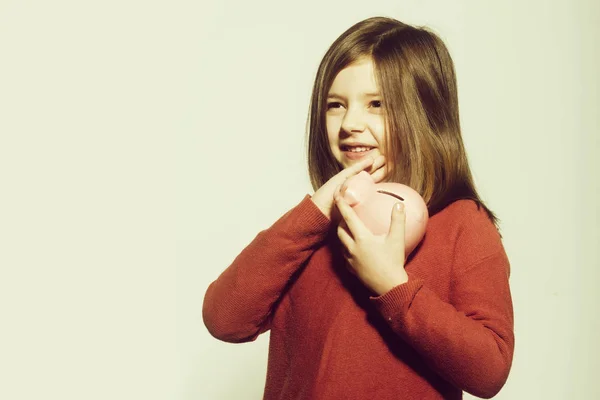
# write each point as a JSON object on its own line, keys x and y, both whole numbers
{"x": 356, "y": 149}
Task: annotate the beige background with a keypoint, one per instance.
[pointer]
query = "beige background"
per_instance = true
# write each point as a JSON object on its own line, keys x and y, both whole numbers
{"x": 139, "y": 142}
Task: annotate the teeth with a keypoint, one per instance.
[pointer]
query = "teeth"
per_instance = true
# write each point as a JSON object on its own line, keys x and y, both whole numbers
{"x": 358, "y": 149}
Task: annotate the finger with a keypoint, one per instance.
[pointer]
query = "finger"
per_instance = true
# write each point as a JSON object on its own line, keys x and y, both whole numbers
{"x": 356, "y": 168}
{"x": 378, "y": 163}
{"x": 396, "y": 232}
{"x": 344, "y": 225}
{"x": 336, "y": 217}
{"x": 355, "y": 225}
{"x": 337, "y": 191}
{"x": 346, "y": 239}
{"x": 380, "y": 174}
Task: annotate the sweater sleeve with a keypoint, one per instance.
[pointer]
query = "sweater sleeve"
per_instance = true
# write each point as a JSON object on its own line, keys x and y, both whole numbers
{"x": 238, "y": 305}
{"x": 469, "y": 341}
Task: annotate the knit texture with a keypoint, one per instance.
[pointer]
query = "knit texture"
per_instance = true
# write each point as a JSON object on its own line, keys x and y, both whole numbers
{"x": 447, "y": 330}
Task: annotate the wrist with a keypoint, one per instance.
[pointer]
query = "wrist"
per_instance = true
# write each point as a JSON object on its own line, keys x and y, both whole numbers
{"x": 390, "y": 283}
{"x": 317, "y": 202}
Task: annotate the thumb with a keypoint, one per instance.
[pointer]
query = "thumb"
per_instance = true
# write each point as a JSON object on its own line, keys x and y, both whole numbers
{"x": 397, "y": 225}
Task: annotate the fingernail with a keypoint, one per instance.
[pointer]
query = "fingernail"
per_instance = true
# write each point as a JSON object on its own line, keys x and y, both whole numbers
{"x": 399, "y": 206}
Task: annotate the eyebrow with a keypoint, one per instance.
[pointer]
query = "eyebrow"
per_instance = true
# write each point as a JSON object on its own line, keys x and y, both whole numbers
{"x": 370, "y": 94}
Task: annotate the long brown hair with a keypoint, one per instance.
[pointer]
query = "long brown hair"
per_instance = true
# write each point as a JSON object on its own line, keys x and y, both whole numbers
{"x": 417, "y": 81}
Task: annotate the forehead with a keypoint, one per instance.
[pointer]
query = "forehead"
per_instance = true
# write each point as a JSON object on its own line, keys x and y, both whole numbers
{"x": 357, "y": 78}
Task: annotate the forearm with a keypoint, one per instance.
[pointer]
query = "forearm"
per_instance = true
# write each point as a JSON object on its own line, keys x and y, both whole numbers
{"x": 238, "y": 304}
{"x": 470, "y": 346}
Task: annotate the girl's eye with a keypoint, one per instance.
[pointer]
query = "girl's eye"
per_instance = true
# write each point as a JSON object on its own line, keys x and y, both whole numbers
{"x": 333, "y": 105}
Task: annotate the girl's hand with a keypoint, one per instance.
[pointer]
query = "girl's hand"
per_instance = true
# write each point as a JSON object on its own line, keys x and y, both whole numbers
{"x": 377, "y": 260}
{"x": 323, "y": 198}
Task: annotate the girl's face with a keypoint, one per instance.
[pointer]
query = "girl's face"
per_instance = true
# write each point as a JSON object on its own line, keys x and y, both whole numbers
{"x": 354, "y": 117}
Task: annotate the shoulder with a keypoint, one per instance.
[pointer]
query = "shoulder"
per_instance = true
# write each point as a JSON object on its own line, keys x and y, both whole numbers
{"x": 464, "y": 212}
{"x": 470, "y": 230}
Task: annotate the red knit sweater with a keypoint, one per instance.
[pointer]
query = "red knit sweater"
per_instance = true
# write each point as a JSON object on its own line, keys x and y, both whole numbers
{"x": 448, "y": 329}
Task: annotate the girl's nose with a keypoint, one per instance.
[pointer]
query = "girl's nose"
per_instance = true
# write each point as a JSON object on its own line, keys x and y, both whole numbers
{"x": 353, "y": 122}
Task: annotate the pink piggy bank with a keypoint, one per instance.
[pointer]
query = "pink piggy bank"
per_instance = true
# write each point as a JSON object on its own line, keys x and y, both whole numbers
{"x": 373, "y": 203}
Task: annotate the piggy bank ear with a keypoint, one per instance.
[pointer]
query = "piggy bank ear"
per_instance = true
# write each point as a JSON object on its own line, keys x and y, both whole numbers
{"x": 364, "y": 175}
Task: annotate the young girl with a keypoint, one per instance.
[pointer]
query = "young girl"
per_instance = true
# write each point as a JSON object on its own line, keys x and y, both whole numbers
{"x": 349, "y": 317}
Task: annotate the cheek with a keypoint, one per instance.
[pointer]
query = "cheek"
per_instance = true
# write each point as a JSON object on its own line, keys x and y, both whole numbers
{"x": 377, "y": 127}
{"x": 333, "y": 128}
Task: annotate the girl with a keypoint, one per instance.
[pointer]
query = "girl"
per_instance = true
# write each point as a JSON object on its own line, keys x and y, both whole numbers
{"x": 349, "y": 317}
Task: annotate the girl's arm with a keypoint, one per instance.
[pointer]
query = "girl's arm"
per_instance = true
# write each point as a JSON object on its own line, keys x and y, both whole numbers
{"x": 239, "y": 303}
{"x": 468, "y": 341}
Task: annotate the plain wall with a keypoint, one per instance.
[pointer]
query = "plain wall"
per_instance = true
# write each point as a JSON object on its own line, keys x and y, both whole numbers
{"x": 143, "y": 145}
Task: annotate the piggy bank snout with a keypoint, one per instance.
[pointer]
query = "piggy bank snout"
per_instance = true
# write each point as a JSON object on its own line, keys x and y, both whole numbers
{"x": 358, "y": 188}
